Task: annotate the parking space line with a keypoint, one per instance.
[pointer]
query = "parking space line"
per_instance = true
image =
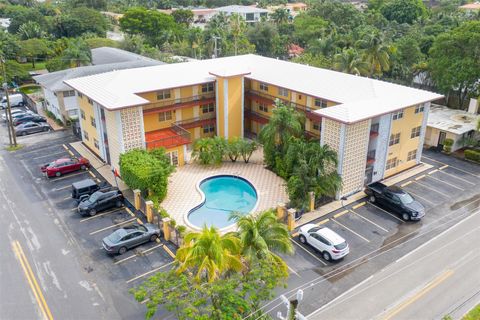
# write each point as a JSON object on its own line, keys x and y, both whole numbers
{"x": 36, "y": 150}
{"x": 420, "y": 177}
{"x": 429, "y": 187}
{"x": 417, "y": 196}
{"x": 101, "y": 214}
{"x": 433, "y": 171}
{"x": 62, "y": 188}
{"x": 65, "y": 147}
{"x": 323, "y": 221}
{"x": 449, "y": 166}
{"x": 150, "y": 272}
{"x": 92, "y": 174}
{"x": 73, "y": 209}
{"x": 340, "y": 214}
{"x": 359, "y": 205}
{"x": 444, "y": 167}
{"x": 360, "y": 236}
{"x": 169, "y": 251}
{"x": 406, "y": 184}
{"x": 67, "y": 198}
{"x": 138, "y": 255}
{"x": 295, "y": 234}
{"x": 129, "y": 211}
{"x": 454, "y": 176}
{"x": 71, "y": 153}
{"x": 317, "y": 258}
{"x": 48, "y": 155}
{"x": 67, "y": 176}
{"x": 364, "y": 218}
{"x": 452, "y": 185}
{"x": 391, "y": 215}
{"x": 112, "y": 226}
{"x": 293, "y": 271}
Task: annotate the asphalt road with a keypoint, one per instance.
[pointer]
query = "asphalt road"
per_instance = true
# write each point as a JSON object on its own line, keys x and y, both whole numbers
{"x": 439, "y": 278}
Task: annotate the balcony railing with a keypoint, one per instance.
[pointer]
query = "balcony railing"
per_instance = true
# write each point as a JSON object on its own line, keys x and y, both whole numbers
{"x": 157, "y": 106}
{"x": 271, "y": 99}
{"x": 172, "y": 137}
{"x": 196, "y": 122}
{"x": 257, "y": 116}
{"x": 374, "y": 130}
{"x": 371, "y": 156}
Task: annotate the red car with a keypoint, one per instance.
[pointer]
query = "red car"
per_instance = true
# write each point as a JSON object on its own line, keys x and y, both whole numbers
{"x": 64, "y": 165}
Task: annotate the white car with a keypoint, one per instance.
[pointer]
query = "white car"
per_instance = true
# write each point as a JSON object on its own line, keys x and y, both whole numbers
{"x": 14, "y": 112}
{"x": 325, "y": 240}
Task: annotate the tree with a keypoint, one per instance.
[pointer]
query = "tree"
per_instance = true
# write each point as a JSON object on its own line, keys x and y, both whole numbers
{"x": 209, "y": 255}
{"x": 308, "y": 28}
{"x": 183, "y": 16}
{"x": 9, "y": 46}
{"x": 319, "y": 60}
{"x": 455, "y": 61}
{"x": 30, "y": 30}
{"x": 19, "y": 15}
{"x": 77, "y": 53}
{"x": 280, "y": 16}
{"x": 407, "y": 57}
{"x": 210, "y": 151}
{"x": 263, "y": 35}
{"x": 247, "y": 148}
{"x": 93, "y": 4}
{"x": 350, "y": 61}
{"x": 375, "y": 53}
{"x": 34, "y": 48}
{"x": 238, "y": 27}
{"x": 78, "y": 21}
{"x": 404, "y": 11}
{"x": 262, "y": 236}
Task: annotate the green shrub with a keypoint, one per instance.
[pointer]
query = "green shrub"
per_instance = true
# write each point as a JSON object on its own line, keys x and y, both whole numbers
{"x": 209, "y": 151}
{"x": 181, "y": 230}
{"x": 59, "y": 122}
{"x": 472, "y": 155}
{"x": 447, "y": 145}
{"x": 50, "y": 114}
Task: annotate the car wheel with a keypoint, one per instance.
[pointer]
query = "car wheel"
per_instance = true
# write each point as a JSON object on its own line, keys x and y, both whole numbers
{"x": 327, "y": 256}
{"x": 46, "y": 129}
{"x": 122, "y": 250}
{"x": 118, "y": 204}
{"x": 406, "y": 216}
{"x": 372, "y": 199}
{"x": 24, "y": 133}
{"x": 83, "y": 167}
{"x": 58, "y": 174}
{"x": 302, "y": 239}
{"x": 153, "y": 237}
{"x": 92, "y": 212}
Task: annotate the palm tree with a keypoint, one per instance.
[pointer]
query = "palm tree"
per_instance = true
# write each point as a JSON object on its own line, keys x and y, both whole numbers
{"x": 209, "y": 254}
{"x": 349, "y": 61}
{"x": 280, "y": 16}
{"x": 238, "y": 28}
{"x": 77, "y": 53}
{"x": 375, "y": 53}
{"x": 30, "y": 30}
{"x": 263, "y": 236}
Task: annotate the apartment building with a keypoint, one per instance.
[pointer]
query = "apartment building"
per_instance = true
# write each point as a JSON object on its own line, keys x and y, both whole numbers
{"x": 377, "y": 128}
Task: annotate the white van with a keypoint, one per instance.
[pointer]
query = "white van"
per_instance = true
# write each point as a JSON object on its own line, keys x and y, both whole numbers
{"x": 16, "y": 100}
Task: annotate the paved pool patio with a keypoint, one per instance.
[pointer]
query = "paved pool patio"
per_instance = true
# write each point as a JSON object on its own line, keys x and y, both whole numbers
{"x": 182, "y": 194}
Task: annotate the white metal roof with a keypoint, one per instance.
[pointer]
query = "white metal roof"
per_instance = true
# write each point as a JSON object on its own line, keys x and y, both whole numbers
{"x": 357, "y": 97}
{"x": 241, "y": 9}
{"x": 452, "y": 120}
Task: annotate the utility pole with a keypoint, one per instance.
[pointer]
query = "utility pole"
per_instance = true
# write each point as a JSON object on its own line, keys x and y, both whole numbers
{"x": 215, "y": 50}
{"x": 11, "y": 131}
{"x": 292, "y": 305}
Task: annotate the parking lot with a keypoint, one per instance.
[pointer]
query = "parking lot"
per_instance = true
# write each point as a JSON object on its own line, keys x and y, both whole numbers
{"x": 127, "y": 270}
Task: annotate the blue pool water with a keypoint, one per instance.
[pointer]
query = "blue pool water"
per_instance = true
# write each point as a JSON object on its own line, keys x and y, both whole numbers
{"x": 223, "y": 194}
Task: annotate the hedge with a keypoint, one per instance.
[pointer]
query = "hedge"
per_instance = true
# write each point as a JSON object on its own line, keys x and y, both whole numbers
{"x": 472, "y": 155}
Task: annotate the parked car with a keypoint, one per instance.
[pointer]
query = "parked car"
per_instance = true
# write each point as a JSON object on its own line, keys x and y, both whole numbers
{"x": 326, "y": 241}
{"x": 395, "y": 199}
{"x": 100, "y": 200}
{"x": 81, "y": 190}
{"x": 64, "y": 165}
{"x": 15, "y": 100}
{"x": 31, "y": 127}
{"x": 130, "y": 236}
{"x": 28, "y": 118}
{"x": 15, "y": 112}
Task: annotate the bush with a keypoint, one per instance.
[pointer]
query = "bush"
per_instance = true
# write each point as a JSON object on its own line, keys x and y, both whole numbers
{"x": 181, "y": 230}
{"x": 210, "y": 151}
{"x": 50, "y": 114}
{"x": 472, "y": 155}
{"x": 59, "y": 122}
{"x": 447, "y": 145}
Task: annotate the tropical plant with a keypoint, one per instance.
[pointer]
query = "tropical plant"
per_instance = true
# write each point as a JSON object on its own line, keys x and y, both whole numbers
{"x": 209, "y": 254}
{"x": 375, "y": 53}
{"x": 350, "y": 61}
{"x": 262, "y": 236}
{"x": 233, "y": 148}
{"x": 280, "y": 16}
{"x": 30, "y": 30}
{"x": 210, "y": 151}
{"x": 247, "y": 148}
{"x": 77, "y": 53}
{"x": 238, "y": 27}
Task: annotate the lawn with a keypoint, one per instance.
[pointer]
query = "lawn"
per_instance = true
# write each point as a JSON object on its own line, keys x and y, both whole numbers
{"x": 30, "y": 88}
{"x": 474, "y": 314}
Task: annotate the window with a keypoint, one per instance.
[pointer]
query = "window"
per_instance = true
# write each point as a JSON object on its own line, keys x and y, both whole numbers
{"x": 207, "y": 87}
{"x": 90, "y": 101}
{"x": 397, "y": 115}
{"x": 208, "y": 128}
{"x": 263, "y": 86}
{"x": 95, "y": 143}
{"x": 85, "y": 135}
{"x": 79, "y": 95}
{"x": 416, "y": 132}
{"x": 316, "y": 126}
{"x": 299, "y": 97}
{"x": 72, "y": 113}
{"x": 163, "y": 94}
{"x": 262, "y": 107}
{"x": 249, "y": 17}
{"x": 320, "y": 103}
{"x": 69, "y": 93}
{"x": 82, "y": 114}
{"x": 412, "y": 155}
{"x": 394, "y": 139}
{"x": 283, "y": 92}
{"x": 173, "y": 155}
{"x": 92, "y": 122}
{"x": 207, "y": 108}
{"x": 419, "y": 108}
{"x": 164, "y": 116}
{"x": 391, "y": 163}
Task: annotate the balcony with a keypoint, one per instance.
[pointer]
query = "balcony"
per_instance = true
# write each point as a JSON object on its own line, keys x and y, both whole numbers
{"x": 162, "y": 106}
{"x": 371, "y": 157}
{"x": 167, "y": 138}
{"x": 197, "y": 122}
{"x": 374, "y": 130}
{"x": 256, "y": 116}
{"x": 269, "y": 99}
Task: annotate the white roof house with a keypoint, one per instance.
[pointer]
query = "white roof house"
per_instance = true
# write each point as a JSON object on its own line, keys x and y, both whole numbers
{"x": 250, "y": 14}
{"x": 358, "y": 98}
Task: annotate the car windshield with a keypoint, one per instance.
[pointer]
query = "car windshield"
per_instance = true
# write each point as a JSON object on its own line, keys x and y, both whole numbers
{"x": 94, "y": 197}
{"x": 405, "y": 198}
{"x": 115, "y": 237}
{"x": 340, "y": 246}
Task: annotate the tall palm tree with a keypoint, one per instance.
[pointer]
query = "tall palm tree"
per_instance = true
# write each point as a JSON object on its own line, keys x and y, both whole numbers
{"x": 30, "y": 30}
{"x": 209, "y": 254}
{"x": 375, "y": 53}
{"x": 280, "y": 16}
{"x": 77, "y": 53}
{"x": 263, "y": 236}
{"x": 238, "y": 27}
{"x": 350, "y": 61}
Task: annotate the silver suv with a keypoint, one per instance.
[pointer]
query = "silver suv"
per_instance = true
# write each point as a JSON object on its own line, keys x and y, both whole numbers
{"x": 324, "y": 240}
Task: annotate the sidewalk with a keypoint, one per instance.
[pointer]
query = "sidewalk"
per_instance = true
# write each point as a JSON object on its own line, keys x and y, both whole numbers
{"x": 51, "y": 122}
{"x": 335, "y": 205}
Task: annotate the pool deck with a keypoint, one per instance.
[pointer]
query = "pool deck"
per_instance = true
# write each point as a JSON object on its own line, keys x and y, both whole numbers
{"x": 182, "y": 194}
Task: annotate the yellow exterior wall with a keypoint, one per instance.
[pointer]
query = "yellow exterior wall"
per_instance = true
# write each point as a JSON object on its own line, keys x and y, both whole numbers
{"x": 181, "y": 155}
{"x": 404, "y": 126}
{"x": 235, "y": 111}
{"x": 114, "y": 136}
{"x": 220, "y": 108}
{"x": 87, "y": 108}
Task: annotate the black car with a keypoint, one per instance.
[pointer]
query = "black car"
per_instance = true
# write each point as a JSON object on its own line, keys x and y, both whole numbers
{"x": 99, "y": 201}
{"x": 31, "y": 127}
{"x": 28, "y": 118}
{"x": 396, "y": 200}
{"x": 81, "y": 190}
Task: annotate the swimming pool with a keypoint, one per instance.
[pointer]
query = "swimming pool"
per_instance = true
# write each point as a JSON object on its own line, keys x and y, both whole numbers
{"x": 222, "y": 195}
